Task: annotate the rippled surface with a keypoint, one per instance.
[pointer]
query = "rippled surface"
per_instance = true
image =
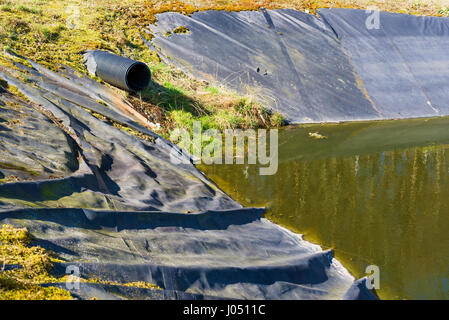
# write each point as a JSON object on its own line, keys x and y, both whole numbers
{"x": 375, "y": 192}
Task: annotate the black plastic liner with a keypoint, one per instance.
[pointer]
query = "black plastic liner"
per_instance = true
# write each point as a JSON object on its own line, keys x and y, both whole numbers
{"x": 404, "y": 64}
{"x": 115, "y": 205}
{"x": 232, "y": 254}
{"x": 312, "y": 69}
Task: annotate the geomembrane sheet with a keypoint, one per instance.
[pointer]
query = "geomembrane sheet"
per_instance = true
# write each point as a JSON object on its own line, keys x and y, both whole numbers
{"x": 117, "y": 207}
{"x": 311, "y": 69}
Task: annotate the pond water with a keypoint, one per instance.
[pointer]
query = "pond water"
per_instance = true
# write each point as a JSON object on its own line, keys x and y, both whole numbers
{"x": 375, "y": 192}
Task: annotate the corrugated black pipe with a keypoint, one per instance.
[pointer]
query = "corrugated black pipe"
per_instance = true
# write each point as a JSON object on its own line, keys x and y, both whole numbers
{"x": 121, "y": 72}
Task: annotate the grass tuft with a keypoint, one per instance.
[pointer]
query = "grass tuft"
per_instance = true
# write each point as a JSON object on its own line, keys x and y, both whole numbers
{"x": 29, "y": 9}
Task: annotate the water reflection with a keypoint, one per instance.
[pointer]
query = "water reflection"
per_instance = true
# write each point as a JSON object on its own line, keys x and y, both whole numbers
{"x": 377, "y": 193}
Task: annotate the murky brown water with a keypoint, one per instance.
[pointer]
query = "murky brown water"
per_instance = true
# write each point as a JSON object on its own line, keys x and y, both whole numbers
{"x": 375, "y": 192}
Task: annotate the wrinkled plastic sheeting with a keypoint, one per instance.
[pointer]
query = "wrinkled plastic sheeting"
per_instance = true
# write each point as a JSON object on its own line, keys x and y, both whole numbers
{"x": 124, "y": 212}
{"x": 314, "y": 69}
{"x": 21, "y": 126}
{"x": 115, "y": 169}
{"x": 404, "y": 63}
{"x": 221, "y": 254}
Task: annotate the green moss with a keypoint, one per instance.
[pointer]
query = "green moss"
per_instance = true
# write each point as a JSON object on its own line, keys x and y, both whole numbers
{"x": 102, "y": 102}
{"x": 173, "y": 88}
{"x": 23, "y": 283}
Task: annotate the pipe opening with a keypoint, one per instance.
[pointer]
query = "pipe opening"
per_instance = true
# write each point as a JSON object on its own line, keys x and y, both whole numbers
{"x": 138, "y": 77}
